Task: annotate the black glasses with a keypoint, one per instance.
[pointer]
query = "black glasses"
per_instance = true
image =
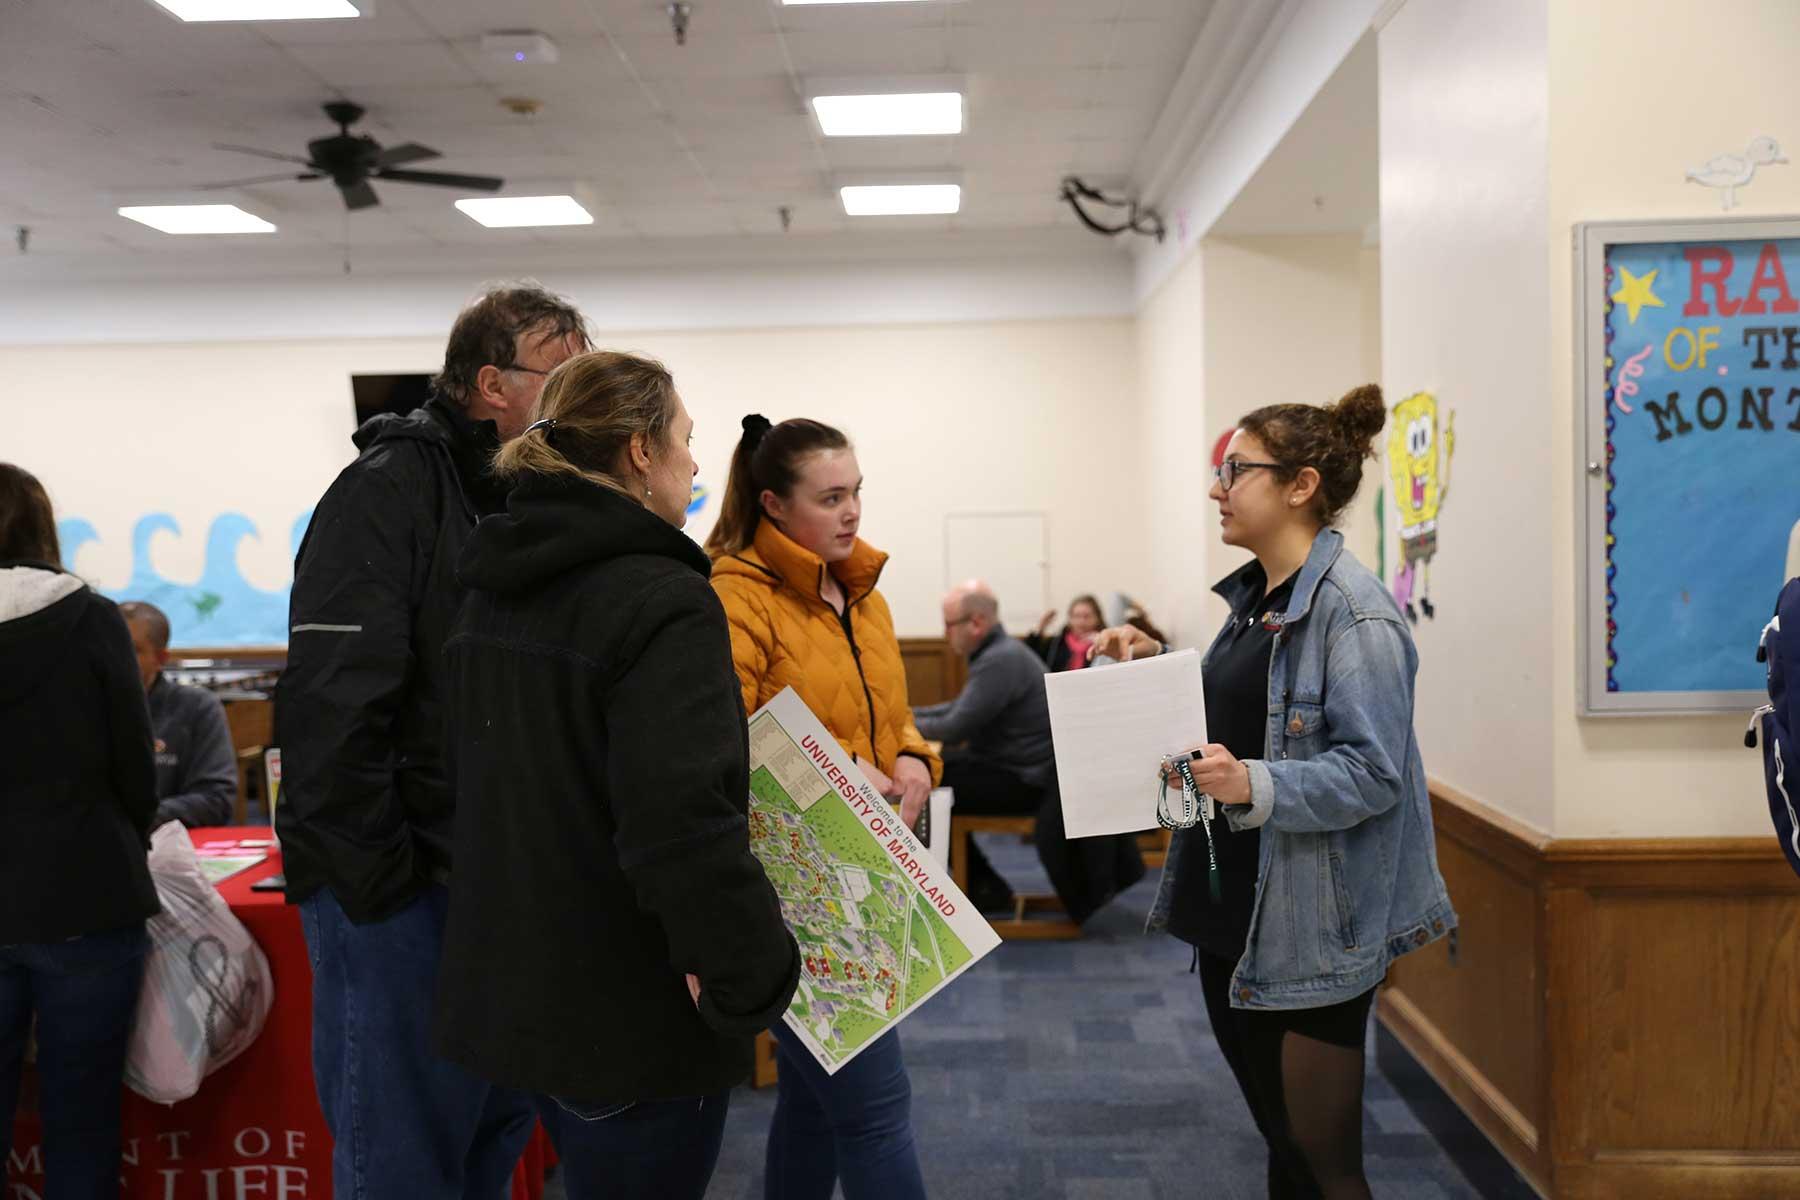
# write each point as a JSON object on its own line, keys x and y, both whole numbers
{"x": 527, "y": 370}
{"x": 1228, "y": 471}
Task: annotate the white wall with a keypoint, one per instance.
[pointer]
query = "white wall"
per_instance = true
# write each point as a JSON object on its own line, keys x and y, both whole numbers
{"x": 948, "y": 417}
{"x": 1028, "y": 277}
{"x": 1465, "y": 289}
{"x": 970, "y": 417}
{"x": 1287, "y": 323}
{"x": 1723, "y": 73}
{"x": 1171, "y": 336}
{"x": 1305, "y": 45}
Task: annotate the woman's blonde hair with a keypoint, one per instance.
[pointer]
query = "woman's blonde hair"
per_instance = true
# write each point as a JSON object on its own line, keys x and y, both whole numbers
{"x": 584, "y": 419}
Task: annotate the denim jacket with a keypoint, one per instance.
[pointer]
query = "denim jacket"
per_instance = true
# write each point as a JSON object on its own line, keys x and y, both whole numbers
{"x": 1348, "y": 877}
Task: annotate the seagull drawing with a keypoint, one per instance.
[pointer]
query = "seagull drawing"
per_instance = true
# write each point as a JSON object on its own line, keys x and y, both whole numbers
{"x": 1729, "y": 172}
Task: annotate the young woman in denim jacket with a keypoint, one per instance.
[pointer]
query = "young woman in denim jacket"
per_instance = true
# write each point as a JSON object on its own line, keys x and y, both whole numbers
{"x": 1322, "y": 869}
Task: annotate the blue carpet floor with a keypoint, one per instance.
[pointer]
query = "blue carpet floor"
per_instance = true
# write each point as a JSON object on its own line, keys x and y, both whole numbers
{"x": 1078, "y": 1070}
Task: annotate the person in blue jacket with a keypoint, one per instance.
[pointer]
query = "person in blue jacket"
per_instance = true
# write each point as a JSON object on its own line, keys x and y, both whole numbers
{"x": 1323, "y": 868}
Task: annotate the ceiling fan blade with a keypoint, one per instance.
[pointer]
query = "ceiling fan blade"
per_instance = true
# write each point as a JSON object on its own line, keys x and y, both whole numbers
{"x": 393, "y": 156}
{"x": 263, "y": 153}
{"x": 360, "y": 195}
{"x": 479, "y": 183}
{"x": 236, "y": 183}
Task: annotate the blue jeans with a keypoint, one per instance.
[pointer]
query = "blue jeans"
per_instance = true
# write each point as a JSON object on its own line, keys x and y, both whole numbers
{"x": 853, "y": 1128}
{"x": 648, "y": 1150}
{"x": 84, "y": 992}
{"x": 404, "y": 1123}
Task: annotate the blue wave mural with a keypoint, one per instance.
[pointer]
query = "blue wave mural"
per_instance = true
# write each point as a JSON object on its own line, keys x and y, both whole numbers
{"x": 221, "y": 608}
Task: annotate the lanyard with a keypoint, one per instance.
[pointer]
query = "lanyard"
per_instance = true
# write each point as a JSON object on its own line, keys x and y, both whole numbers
{"x": 1196, "y": 809}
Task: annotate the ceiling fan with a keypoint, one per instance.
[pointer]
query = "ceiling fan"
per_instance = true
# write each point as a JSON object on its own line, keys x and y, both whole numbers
{"x": 350, "y": 161}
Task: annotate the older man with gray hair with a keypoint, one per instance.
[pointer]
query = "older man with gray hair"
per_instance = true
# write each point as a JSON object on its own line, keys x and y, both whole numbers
{"x": 367, "y": 807}
{"x": 997, "y": 751}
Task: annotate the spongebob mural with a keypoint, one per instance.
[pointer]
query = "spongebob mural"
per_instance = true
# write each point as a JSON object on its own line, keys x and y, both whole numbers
{"x": 1419, "y": 464}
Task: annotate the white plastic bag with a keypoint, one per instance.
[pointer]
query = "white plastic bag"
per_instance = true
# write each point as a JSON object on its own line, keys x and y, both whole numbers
{"x": 207, "y": 988}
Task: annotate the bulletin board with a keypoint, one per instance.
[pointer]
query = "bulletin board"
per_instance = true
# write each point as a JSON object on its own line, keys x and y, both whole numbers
{"x": 1688, "y": 486}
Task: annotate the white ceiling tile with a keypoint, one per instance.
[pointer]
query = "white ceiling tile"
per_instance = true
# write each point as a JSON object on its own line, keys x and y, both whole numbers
{"x": 429, "y": 63}
{"x": 467, "y": 20}
{"x": 770, "y": 96}
{"x": 860, "y": 20}
{"x": 880, "y": 154}
{"x": 709, "y": 139}
{"x": 711, "y": 19}
{"x": 744, "y": 56}
{"x": 683, "y": 220}
{"x": 1061, "y": 44}
{"x": 391, "y": 21}
{"x": 899, "y": 52}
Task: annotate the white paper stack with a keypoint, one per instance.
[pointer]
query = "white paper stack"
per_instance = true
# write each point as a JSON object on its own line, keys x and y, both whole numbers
{"x": 1113, "y": 726}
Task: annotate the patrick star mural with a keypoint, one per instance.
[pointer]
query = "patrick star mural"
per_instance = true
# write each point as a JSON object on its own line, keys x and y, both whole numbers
{"x": 1419, "y": 464}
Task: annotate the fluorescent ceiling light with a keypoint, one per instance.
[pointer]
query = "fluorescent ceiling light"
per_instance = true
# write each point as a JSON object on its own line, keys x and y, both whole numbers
{"x": 196, "y": 218}
{"x": 509, "y": 212}
{"x": 890, "y": 116}
{"x": 901, "y": 200}
{"x": 258, "y": 10}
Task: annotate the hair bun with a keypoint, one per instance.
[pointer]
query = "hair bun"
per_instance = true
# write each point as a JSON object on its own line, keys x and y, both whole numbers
{"x": 756, "y": 427}
{"x": 1360, "y": 414}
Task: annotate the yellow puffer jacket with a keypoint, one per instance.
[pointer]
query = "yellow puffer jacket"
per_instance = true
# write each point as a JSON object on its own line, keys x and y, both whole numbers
{"x": 847, "y": 670}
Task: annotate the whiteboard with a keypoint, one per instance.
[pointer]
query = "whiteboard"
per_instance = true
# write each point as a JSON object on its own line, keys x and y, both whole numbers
{"x": 1010, "y": 551}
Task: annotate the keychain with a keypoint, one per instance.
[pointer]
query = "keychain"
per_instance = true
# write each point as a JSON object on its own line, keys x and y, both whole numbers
{"x": 1196, "y": 809}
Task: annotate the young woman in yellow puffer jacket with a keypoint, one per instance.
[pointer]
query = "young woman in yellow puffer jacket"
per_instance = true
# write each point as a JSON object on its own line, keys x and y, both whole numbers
{"x": 798, "y": 586}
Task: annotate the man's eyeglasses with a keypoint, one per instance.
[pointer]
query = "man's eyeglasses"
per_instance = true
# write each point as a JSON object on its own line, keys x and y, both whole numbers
{"x": 959, "y": 621}
{"x": 527, "y": 370}
{"x": 1228, "y": 471}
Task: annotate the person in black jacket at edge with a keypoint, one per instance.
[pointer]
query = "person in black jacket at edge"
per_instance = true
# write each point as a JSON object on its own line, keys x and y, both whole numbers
{"x": 366, "y": 813}
{"x": 613, "y": 944}
{"x": 77, "y": 790}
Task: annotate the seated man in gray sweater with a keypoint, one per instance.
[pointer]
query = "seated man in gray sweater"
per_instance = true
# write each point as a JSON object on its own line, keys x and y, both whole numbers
{"x": 997, "y": 751}
{"x": 196, "y": 768}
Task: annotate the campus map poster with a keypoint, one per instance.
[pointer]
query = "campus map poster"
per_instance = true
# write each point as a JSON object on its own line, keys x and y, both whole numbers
{"x": 881, "y": 926}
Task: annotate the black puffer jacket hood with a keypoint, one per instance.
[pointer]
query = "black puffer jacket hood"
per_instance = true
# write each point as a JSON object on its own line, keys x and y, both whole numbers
{"x": 554, "y": 524}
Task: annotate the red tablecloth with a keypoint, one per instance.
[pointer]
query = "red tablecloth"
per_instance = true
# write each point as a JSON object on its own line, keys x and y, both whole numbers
{"x": 254, "y": 1130}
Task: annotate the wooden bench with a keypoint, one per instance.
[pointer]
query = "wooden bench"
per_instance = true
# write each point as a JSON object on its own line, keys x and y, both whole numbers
{"x": 1018, "y": 927}
{"x": 252, "y": 726}
{"x": 762, "y": 1074}
{"x": 1155, "y": 847}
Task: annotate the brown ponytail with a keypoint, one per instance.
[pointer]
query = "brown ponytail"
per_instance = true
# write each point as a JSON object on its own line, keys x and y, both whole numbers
{"x": 27, "y": 522}
{"x": 768, "y": 458}
{"x": 1333, "y": 440}
{"x": 585, "y": 417}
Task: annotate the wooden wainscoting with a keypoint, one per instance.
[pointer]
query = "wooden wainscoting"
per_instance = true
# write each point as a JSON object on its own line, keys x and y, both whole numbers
{"x": 934, "y": 672}
{"x": 1471, "y": 1009}
{"x": 1620, "y": 1017}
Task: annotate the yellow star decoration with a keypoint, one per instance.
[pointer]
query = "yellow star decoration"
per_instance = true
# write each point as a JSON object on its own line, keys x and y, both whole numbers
{"x": 1635, "y": 293}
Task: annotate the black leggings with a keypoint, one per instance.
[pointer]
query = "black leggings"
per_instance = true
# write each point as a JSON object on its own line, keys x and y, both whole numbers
{"x": 1301, "y": 1072}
